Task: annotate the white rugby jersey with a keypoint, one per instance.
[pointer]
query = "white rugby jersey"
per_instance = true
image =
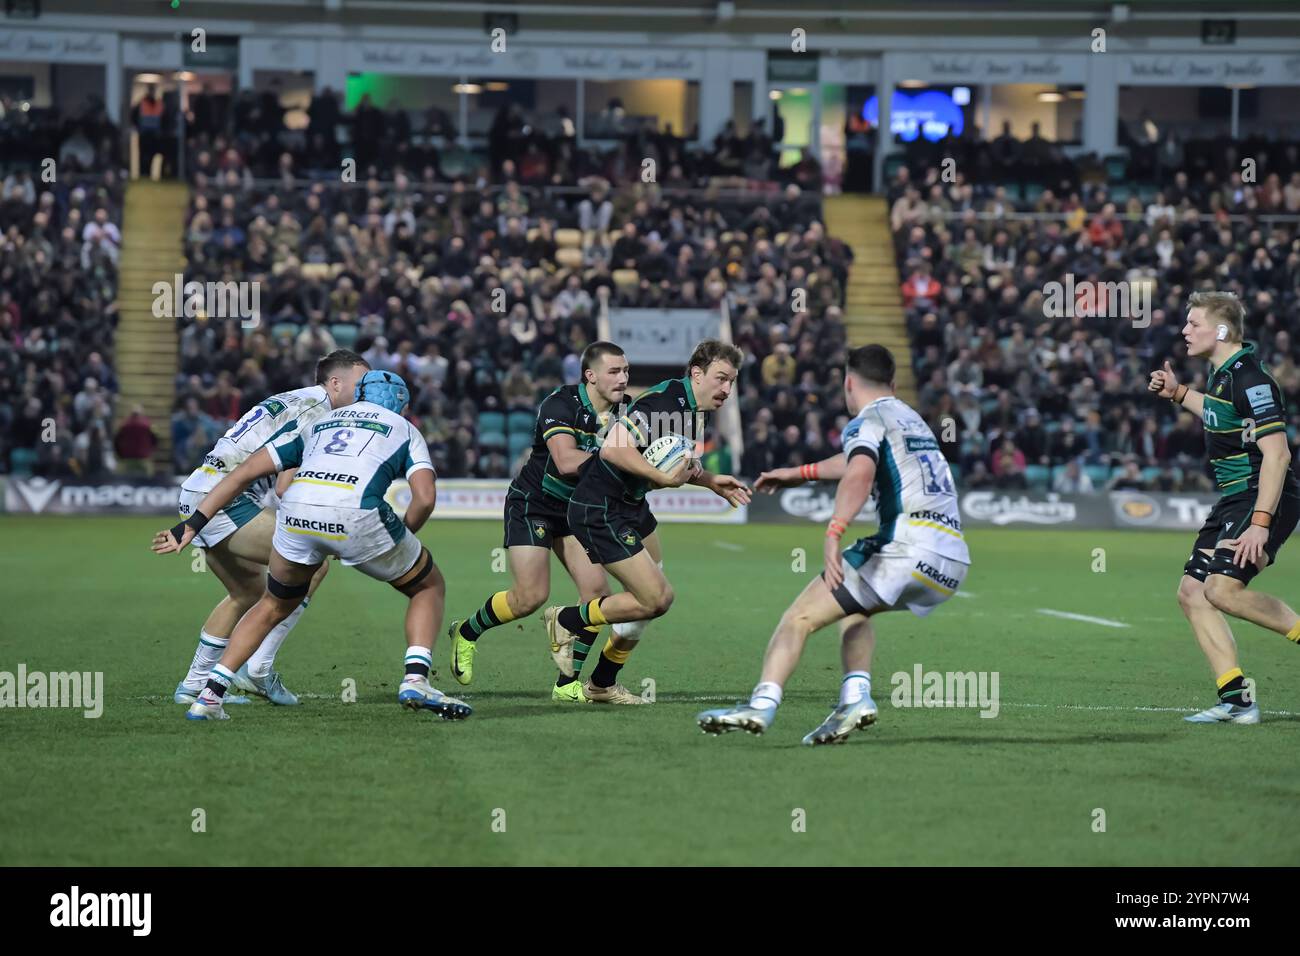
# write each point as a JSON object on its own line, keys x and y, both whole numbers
{"x": 914, "y": 492}
{"x": 265, "y": 422}
{"x": 350, "y": 457}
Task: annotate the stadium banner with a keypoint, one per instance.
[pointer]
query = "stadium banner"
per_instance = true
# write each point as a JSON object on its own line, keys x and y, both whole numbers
{"x": 75, "y": 496}
{"x": 58, "y": 46}
{"x": 486, "y": 498}
{"x": 996, "y": 509}
{"x": 662, "y": 336}
{"x": 954, "y": 67}
{"x": 558, "y": 62}
{"x": 1209, "y": 69}
{"x": 814, "y": 502}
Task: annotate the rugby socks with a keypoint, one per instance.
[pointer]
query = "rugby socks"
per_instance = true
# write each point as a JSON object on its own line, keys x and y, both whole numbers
{"x": 494, "y": 612}
{"x": 579, "y": 616}
{"x": 219, "y": 682}
{"x": 610, "y": 663}
{"x": 766, "y": 696}
{"x": 1294, "y": 634}
{"x": 855, "y": 686}
{"x": 209, "y": 652}
{"x": 581, "y": 648}
{"x": 1232, "y": 688}
{"x": 263, "y": 659}
{"x": 419, "y": 660}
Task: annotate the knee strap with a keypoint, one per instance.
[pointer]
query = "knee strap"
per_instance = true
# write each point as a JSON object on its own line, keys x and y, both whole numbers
{"x": 284, "y": 591}
{"x": 1198, "y": 566}
{"x": 425, "y": 565}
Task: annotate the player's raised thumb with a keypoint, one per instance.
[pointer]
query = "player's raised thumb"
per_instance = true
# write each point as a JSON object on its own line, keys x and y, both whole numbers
{"x": 1169, "y": 368}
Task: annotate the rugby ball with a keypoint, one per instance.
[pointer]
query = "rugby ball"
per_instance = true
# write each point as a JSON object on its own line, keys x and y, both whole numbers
{"x": 670, "y": 451}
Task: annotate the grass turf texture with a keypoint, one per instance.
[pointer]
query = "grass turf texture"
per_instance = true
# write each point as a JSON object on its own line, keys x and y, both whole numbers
{"x": 370, "y": 783}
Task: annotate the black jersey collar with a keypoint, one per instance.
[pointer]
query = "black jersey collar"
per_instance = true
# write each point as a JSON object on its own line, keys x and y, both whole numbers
{"x": 1246, "y": 349}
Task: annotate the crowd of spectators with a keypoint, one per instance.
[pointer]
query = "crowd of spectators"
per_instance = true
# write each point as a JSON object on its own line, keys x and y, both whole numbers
{"x": 483, "y": 296}
{"x": 1033, "y": 378}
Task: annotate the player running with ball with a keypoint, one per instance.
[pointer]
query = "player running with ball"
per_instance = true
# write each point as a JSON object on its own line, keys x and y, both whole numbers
{"x": 1245, "y": 435}
{"x": 237, "y": 541}
{"x": 568, "y": 431}
{"x": 335, "y": 506}
{"x": 917, "y": 559}
{"x": 611, "y": 518}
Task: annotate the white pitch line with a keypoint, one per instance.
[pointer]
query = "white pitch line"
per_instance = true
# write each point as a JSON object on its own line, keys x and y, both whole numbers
{"x": 1104, "y": 622}
{"x": 728, "y": 546}
{"x": 963, "y": 594}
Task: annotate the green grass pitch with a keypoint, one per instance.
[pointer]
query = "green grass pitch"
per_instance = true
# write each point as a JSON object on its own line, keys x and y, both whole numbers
{"x": 1090, "y": 718}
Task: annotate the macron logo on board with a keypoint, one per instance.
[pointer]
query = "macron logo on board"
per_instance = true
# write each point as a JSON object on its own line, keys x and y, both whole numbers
{"x": 37, "y": 492}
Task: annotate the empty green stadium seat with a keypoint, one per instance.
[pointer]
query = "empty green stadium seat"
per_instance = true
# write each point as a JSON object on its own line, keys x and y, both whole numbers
{"x": 1100, "y": 474}
{"x": 1038, "y": 476}
{"x": 492, "y": 439}
{"x": 345, "y": 334}
{"x": 491, "y": 422}
{"x": 284, "y": 328}
{"x": 21, "y": 461}
{"x": 518, "y": 441}
{"x": 522, "y": 423}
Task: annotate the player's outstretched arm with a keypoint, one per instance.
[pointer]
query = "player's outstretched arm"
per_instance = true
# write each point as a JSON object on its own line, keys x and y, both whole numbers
{"x": 1165, "y": 384}
{"x": 620, "y": 450}
{"x": 828, "y": 469}
{"x": 852, "y": 494}
{"x": 257, "y": 465}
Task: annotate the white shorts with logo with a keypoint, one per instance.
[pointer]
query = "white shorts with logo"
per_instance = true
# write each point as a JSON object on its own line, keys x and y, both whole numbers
{"x": 898, "y": 575}
{"x": 226, "y": 521}
{"x": 374, "y": 540}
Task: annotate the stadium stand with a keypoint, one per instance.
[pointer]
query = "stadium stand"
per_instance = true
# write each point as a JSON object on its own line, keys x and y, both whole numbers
{"x": 1024, "y": 398}
{"x": 59, "y": 247}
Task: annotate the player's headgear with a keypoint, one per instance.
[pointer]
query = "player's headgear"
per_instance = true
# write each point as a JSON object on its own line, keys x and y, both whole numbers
{"x": 383, "y": 388}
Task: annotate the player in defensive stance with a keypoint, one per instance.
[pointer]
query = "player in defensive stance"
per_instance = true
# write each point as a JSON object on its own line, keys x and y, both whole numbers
{"x": 569, "y": 425}
{"x": 237, "y": 541}
{"x": 610, "y": 517}
{"x": 1245, "y": 436}
{"x": 335, "y": 506}
{"x": 917, "y": 559}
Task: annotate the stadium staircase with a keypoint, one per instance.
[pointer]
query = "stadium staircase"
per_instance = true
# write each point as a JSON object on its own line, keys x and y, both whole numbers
{"x": 873, "y": 310}
{"x": 153, "y": 227}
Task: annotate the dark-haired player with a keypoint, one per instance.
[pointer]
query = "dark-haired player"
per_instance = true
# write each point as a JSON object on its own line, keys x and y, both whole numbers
{"x": 237, "y": 541}
{"x": 1245, "y": 435}
{"x": 610, "y": 517}
{"x": 916, "y": 561}
{"x": 569, "y": 425}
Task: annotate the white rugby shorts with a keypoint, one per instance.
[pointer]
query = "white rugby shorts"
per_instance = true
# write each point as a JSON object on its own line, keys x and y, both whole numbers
{"x": 896, "y": 575}
{"x": 374, "y": 540}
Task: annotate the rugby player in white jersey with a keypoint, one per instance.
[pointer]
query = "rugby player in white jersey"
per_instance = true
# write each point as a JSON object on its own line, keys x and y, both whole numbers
{"x": 335, "y": 506}
{"x": 916, "y": 561}
{"x": 237, "y": 541}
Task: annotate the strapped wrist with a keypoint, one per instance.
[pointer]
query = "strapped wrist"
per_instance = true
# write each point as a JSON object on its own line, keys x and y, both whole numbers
{"x": 1266, "y": 521}
{"x": 1180, "y": 393}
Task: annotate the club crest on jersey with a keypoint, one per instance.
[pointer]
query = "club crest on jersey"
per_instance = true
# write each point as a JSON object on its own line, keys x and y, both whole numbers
{"x": 1218, "y": 389}
{"x": 539, "y": 530}
{"x": 629, "y": 538}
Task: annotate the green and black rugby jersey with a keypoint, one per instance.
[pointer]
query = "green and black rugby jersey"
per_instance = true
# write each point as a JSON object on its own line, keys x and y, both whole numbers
{"x": 1240, "y": 393}
{"x": 668, "y": 408}
{"x": 566, "y": 411}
